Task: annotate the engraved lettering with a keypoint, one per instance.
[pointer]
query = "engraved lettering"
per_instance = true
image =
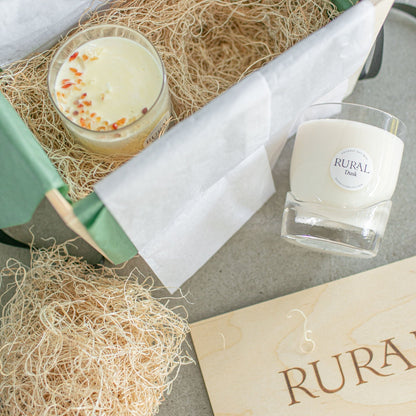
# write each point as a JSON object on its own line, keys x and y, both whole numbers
{"x": 397, "y": 352}
{"x": 358, "y": 366}
{"x": 361, "y": 359}
{"x": 298, "y": 386}
{"x": 319, "y": 380}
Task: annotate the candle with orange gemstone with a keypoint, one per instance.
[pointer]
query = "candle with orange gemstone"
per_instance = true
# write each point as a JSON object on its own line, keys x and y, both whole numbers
{"x": 110, "y": 90}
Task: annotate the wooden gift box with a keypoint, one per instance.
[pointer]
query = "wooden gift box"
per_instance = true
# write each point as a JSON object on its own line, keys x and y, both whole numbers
{"x": 118, "y": 241}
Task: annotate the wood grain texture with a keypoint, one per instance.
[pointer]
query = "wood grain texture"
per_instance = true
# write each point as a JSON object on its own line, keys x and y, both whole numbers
{"x": 363, "y": 361}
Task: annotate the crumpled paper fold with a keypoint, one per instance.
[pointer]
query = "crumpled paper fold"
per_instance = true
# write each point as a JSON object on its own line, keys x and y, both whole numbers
{"x": 27, "y": 27}
{"x": 183, "y": 197}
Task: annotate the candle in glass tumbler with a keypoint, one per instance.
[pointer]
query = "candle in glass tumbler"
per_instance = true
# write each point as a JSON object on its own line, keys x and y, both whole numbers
{"x": 343, "y": 173}
{"x": 110, "y": 90}
{"x": 344, "y": 163}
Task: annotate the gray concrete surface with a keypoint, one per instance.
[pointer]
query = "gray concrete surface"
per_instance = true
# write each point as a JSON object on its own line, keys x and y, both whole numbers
{"x": 257, "y": 265}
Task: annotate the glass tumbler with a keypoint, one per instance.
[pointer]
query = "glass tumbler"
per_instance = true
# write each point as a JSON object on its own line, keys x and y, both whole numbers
{"x": 344, "y": 169}
{"x": 134, "y": 133}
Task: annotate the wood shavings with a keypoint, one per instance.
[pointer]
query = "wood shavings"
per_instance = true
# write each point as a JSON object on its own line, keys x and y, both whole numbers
{"x": 207, "y": 46}
{"x": 80, "y": 340}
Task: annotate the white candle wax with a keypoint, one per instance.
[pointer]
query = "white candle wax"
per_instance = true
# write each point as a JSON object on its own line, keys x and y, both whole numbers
{"x": 343, "y": 163}
{"x": 343, "y": 173}
{"x": 111, "y": 90}
{"x": 108, "y": 83}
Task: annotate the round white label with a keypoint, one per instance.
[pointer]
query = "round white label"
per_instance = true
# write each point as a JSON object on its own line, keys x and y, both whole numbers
{"x": 351, "y": 169}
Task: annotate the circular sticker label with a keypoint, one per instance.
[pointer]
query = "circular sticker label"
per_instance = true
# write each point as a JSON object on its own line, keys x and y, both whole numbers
{"x": 351, "y": 169}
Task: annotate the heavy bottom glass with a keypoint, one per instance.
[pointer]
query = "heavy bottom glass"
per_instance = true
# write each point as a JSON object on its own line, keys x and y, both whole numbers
{"x": 350, "y": 232}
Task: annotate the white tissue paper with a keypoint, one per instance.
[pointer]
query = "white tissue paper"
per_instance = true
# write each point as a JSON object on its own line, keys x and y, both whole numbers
{"x": 28, "y": 26}
{"x": 183, "y": 197}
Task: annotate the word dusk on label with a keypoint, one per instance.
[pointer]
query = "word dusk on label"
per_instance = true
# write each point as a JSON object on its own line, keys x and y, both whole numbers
{"x": 350, "y": 350}
{"x": 351, "y": 169}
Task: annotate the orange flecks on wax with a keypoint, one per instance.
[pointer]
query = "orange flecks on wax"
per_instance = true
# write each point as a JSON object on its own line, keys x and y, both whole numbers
{"x": 116, "y": 79}
{"x": 73, "y": 56}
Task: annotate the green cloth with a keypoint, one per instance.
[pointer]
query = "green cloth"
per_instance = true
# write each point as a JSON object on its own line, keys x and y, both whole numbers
{"x": 26, "y": 173}
{"x": 343, "y": 5}
{"x": 104, "y": 229}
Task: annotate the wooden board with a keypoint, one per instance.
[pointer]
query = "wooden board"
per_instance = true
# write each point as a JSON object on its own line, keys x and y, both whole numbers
{"x": 344, "y": 348}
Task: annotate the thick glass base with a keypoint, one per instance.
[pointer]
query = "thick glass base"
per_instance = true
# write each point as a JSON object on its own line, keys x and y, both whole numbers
{"x": 349, "y": 232}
